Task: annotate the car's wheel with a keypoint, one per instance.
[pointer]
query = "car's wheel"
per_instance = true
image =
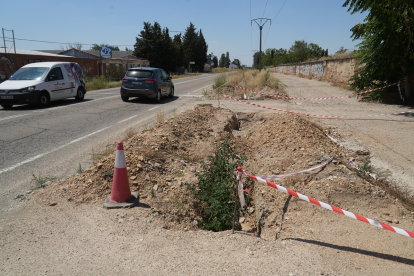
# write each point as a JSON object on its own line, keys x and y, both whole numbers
{"x": 125, "y": 98}
{"x": 171, "y": 93}
{"x": 7, "y": 106}
{"x": 43, "y": 99}
{"x": 158, "y": 98}
{"x": 80, "y": 95}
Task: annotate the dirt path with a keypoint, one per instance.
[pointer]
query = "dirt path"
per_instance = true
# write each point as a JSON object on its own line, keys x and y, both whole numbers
{"x": 389, "y": 139}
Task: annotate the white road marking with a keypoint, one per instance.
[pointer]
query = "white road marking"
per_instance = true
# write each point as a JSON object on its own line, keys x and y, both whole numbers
{"x": 53, "y": 150}
{"x": 199, "y": 89}
{"x": 127, "y": 119}
{"x": 14, "y": 116}
{"x": 69, "y": 105}
{"x": 192, "y": 80}
{"x": 153, "y": 108}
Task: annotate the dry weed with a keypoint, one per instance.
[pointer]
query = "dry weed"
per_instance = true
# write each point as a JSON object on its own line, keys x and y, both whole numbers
{"x": 100, "y": 152}
{"x": 160, "y": 117}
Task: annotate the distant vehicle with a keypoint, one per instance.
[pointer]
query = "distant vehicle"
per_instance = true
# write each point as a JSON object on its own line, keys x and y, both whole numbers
{"x": 147, "y": 83}
{"x": 42, "y": 82}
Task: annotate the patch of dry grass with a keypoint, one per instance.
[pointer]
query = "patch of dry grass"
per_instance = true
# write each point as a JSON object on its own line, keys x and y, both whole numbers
{"x": 160, "y": 117}
{"x": 254, "y": 80}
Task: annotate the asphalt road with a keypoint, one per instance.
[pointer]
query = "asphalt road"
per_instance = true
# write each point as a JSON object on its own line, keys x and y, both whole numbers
{"x": 53, "y": 141}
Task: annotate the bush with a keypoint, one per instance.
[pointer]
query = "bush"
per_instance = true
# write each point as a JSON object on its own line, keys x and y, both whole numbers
{"x": 216, "y": 188}
{"x": 219, "y": 81}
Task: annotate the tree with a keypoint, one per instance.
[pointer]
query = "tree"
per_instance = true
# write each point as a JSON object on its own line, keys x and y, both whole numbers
{"x": 190, "y": 44}
{"x": 178, "y": 53}
{"x": 201, "y": 52}
{"x": 76, "y": 45}
{"x": 386, "y": 53}
{"x": 96, "y": 47}
{"x": 215, "y": 62}
{"x": 341, "y": 50}
{"x": 227, "y": 62}
{"x": 236, "y": 62}
{"x": 222, "y": 62}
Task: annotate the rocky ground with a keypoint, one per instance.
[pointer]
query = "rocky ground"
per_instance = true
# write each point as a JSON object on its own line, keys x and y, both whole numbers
{"x": 65, "y": 230}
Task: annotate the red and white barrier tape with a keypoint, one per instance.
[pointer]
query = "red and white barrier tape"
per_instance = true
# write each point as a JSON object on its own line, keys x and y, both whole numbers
{"x": 352, "y": 163}
{"x": 379, "y": 88}
{"x": 315, "y": 115}
{"x": 272, "y": 177}
{"x": 330, "y": 207}
{"x": 328, "y": 98}
{"x": 292, "y": 98}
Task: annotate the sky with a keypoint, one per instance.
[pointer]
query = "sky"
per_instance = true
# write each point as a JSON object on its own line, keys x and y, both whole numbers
{"x": 226, "y": 24}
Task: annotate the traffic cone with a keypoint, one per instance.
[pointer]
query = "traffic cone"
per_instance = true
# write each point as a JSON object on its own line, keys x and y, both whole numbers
{"x": 244, "y": 96}
{"x": 121, "y": 196}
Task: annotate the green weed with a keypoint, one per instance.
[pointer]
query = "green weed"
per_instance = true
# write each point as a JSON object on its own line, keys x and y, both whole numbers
{"x": 41, "y": 180}
{"x": 79, "y": 169}
{"x": 216, "y": 188}
{"x": 219, "y": 81}
{"x": 109, "y": 174}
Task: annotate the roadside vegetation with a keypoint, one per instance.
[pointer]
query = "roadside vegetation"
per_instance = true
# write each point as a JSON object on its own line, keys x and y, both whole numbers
{"x": 250, "y": 79}
{"x": 223, "y": 70}
{"x": 101, "y": 82}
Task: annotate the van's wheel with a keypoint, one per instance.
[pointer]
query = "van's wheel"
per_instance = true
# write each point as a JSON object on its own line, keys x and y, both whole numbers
{"x": 43, "y": 99}
{"x": 171, "y": 93}
{"x": 80, "y": 95}
{"x": 125, "y": 98}
{"x": 158, "y": 98}
{"x": 7, "y": 106}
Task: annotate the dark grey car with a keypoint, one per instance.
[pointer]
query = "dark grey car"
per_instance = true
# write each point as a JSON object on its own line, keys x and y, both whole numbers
{"x": 146, "y": 82}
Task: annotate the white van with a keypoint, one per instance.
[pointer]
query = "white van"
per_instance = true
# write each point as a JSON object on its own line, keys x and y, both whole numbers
{"x": 42, "y": 82}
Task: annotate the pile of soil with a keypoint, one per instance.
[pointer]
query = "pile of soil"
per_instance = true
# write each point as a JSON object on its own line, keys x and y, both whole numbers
{"x": 161, "y": 159}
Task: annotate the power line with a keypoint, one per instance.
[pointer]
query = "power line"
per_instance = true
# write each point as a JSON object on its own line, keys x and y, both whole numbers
{"x": 274, "y": 19}
{"x": 69, "y": 43}
{"x": 54, "y": 42}
{"x": 280, "y": 10}
{"x": 265, "y": 8}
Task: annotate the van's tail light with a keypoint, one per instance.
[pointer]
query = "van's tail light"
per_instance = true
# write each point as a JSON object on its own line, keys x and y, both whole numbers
{"x": 151, "y": 81}
{"x": 125, "y": 79}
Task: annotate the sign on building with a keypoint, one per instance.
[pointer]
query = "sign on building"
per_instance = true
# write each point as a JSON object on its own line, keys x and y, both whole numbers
{"x": 106, "y": 52}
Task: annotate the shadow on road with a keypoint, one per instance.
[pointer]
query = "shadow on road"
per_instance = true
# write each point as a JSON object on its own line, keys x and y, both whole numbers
{"x": 359, "y": 251}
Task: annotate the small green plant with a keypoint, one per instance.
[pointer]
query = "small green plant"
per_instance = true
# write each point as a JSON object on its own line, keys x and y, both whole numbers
{"x": 179, "y": 174}
{"x": 41, "y": 180}
{"x": 250, "y": 133}
{"x": 219, "y": 81}
{"x": 205, "y": 92}
{"x": 254, "y": 74}
{"x": 79, "y": 169}
{"x": 101, "y": 153}
{"x": 152, "y": 192}
{"x": 266, "y": 78}
{"x": 109, "y": 174}
{"x": 216, "y": 188}
{"x": 190, "y": 134}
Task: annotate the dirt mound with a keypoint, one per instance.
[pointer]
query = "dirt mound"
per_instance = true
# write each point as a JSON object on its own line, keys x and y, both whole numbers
{"x": 161, "y": 159}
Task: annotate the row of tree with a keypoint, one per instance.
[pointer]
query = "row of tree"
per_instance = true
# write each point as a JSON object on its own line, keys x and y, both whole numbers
{"x": 156, "y": 45}
{"x": 300, "y": 51}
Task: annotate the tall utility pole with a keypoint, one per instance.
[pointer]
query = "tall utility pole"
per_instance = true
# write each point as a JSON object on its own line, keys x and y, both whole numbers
{"x": 261, "y": 24}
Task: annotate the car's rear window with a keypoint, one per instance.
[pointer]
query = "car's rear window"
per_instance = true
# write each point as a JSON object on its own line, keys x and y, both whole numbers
{"x": 139, "y": 74}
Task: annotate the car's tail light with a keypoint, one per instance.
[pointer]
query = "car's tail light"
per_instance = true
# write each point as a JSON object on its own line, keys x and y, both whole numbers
{"x": 151, "y": 81}
{"x": 125, "y": 79}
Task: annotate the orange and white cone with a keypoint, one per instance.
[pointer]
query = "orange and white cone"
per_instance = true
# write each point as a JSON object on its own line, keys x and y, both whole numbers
{"x": 121, "y": 195}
